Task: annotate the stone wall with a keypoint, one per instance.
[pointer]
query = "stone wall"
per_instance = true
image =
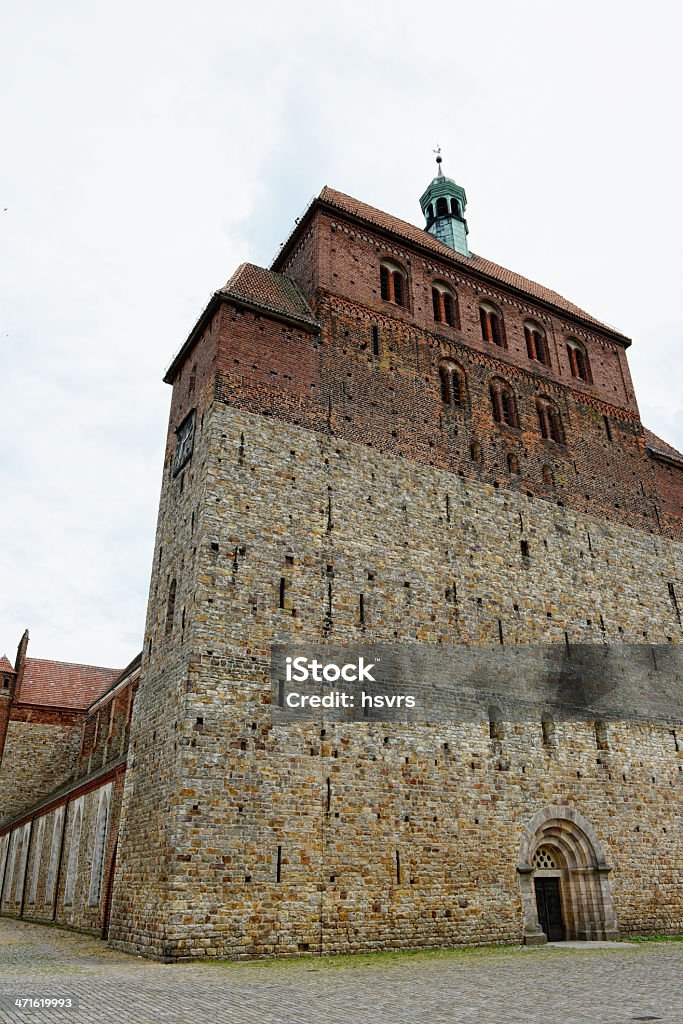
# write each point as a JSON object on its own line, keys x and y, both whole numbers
{"x": 40, "y": 753}
{"x": 384, "y": 835}
{"x": 57, "y": 872}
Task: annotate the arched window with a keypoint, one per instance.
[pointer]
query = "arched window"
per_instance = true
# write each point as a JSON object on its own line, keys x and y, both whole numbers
{"x": 545, "y": 859}
{"x": 503, "y": 403}
{"x": 455, "y": 208}
{"x": 513, "y": 464}
{"x": 536, "y": 342}
{"x": 393, "y": 282}
{"x": 72, "y": 865}
{"x": 548, "y": 477}
{"x": 549, "y": 420}
{"x": 452, "y": 381}
{"x": 442, "y": 207}
{"x": 578, "y": 361}
{"x": 475, "y": 451}
{"x": 445, "y": 304}
{"x": 430, "y": 212}
{"x": 492, "y": 326}
{"x": 99, "y": 848}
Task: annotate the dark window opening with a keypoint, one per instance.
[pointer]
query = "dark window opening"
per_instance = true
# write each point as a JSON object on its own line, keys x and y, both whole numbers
{"x": 492, "y": 329}
{"x": 549, "y": 422}
{"x": 503, "y": 404}
{"x": 578, "y": 362}
{"x": 170, "y": 607}
{"x": 537, "y": 345}
{"x": 452, "y": 386}
{"x": 608, "y": 429}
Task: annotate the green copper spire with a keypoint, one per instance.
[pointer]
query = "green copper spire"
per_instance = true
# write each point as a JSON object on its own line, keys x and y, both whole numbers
{"x": 443, "y": 204}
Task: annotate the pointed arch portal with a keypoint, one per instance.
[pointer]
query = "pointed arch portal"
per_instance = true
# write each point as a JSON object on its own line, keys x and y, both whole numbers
{"x": 564, "y": 879}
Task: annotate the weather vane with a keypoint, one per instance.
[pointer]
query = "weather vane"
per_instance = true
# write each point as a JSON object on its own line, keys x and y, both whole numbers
{"x": 439, "y": 158}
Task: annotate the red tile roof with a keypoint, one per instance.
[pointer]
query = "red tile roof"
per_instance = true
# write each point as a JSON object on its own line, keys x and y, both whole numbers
{"x": 61, "y": 684}
{"x": 5, "y": 664}
{"x": 271, "y": 291}
{"x": 473, "y": 262}
{"x": 659, "y": 447}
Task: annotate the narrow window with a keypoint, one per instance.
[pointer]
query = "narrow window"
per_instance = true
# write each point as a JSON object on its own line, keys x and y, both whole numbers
{"x": 536, "y": 344}
{"x": 548, "y": 727}
{"x": 170, "y": 607}
{"x": 601, "y": 740}
{"x": 608, "y": 429}
{"x": 398, "y": 289}
{"x": 513, "y": 463}
{"x": 449, "y": 315}
{"x": 283, "y": 590}
{"x": 578, "y": 361}
{"x": 475, "y": 451}
{"x": 384, "y": 282}
{"x": 441, "y": 207}
{"x": 549, "y": 421}
{"x": 192, "y": 381}
{"x": 497, "y": 330}
{"x": 436, "y": 304}
{"x": 485, "y": 322}
{"x": 547, "y": 475}
{"x": 496, "y": 728}
{"x": 452, "y": 383}
{"x": 445, "y": 379}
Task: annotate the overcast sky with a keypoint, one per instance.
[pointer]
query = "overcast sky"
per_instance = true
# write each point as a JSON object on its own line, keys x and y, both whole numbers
{"x": 148, "y": 148}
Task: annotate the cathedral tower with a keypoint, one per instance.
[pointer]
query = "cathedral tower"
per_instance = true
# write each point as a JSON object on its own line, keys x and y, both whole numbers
{"x": 349, "y": 459}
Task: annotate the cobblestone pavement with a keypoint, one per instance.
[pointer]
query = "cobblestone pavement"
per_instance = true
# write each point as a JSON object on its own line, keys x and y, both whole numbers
{"x": 610, "y": 985}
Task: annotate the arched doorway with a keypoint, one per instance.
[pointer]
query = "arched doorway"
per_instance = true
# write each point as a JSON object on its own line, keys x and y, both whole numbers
{"x": 564, "y": 879}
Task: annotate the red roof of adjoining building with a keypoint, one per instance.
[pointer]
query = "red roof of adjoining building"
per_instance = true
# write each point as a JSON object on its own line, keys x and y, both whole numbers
{"x": 269, "y": 290}
{"x": 491, "y": 270}
{"x": 660, "y": 447}
{"x": 61, "y": 684}
{"x": 5, "y": 664}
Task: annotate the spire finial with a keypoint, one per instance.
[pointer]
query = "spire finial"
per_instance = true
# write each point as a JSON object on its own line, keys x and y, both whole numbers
{"x": 439, "y": 159}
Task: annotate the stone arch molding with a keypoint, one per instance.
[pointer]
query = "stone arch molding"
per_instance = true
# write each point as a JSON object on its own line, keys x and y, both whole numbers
{"x": 587, "y": 907}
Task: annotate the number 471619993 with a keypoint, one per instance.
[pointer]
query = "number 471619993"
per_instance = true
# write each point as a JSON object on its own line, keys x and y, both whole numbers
{"x": 44, "y": 1003}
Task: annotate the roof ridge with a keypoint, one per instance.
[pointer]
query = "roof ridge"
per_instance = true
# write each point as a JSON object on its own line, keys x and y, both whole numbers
{"x": 72, "y": 664}
{"x": 478, "y": 264}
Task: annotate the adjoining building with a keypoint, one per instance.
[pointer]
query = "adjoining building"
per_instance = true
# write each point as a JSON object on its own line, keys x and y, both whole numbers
{"x": 384, "y": 437}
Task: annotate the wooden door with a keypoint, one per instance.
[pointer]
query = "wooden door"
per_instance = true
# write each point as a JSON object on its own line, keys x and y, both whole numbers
{"x": 549, "y": 907}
